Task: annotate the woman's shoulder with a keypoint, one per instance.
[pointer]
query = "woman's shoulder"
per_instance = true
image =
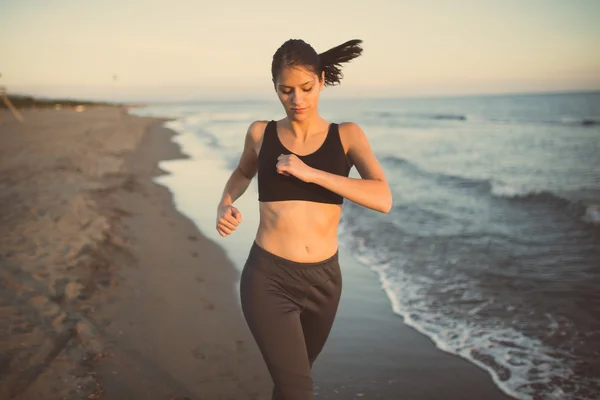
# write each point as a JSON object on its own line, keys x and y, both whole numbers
{"x": 258, "y": 125}
{"x": 255, "y": 134}
{"x": 350, "y": 132}
{"x": 256, "y": 129}
{"x": 348, "y": 126}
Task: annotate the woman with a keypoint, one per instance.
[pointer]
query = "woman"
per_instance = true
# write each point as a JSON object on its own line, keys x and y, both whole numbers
{"x": 291, "y": 282}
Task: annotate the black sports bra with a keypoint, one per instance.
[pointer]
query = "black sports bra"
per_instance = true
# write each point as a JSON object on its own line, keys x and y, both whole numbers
{"x": 272, "y": 186}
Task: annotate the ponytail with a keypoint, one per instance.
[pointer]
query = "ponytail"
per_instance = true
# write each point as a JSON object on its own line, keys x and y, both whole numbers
{"x": 332, "y": 59}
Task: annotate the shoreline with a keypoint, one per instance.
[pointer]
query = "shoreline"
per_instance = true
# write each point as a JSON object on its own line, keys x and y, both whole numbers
{"x": 189, "y": 309}
{"x": 362, "y": 285}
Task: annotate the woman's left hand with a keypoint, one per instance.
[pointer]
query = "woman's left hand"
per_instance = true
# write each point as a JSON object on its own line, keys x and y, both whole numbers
{"x": 290, "y": 164}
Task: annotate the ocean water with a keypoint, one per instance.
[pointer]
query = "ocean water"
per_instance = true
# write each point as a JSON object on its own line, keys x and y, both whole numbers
{"x": 492, "y": 248}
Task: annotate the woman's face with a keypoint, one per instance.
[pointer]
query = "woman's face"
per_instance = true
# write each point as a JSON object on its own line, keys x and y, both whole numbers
{"x": 298, "y": 90}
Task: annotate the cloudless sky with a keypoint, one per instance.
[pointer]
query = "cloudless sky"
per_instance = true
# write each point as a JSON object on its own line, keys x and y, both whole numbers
{"x": 182, "y": 49}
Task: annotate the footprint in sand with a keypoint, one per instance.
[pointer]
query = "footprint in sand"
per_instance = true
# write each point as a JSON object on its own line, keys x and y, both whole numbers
{"x": 207, "y": 305}
{"x": 198, "y": 354}
{"x": 199, "y": 279}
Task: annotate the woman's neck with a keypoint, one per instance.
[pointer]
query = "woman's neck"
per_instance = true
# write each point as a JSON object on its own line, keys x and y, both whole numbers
{"x": 307, "y": 127}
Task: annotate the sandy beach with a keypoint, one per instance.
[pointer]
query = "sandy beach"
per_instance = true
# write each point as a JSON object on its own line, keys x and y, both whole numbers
{"x": 109, "y": 292}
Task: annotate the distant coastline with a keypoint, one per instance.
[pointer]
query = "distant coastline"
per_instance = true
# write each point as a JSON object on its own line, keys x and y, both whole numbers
{"x": 26, "y": 101}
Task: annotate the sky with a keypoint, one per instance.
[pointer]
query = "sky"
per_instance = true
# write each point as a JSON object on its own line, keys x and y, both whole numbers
{"x": 193, "y": 49}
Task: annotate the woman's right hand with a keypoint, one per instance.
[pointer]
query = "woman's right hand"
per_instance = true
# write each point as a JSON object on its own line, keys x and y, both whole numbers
{"x": 228, "y": 219}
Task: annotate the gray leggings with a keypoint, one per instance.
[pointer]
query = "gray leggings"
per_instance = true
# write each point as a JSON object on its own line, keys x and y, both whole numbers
{"x": 290, "y": 308}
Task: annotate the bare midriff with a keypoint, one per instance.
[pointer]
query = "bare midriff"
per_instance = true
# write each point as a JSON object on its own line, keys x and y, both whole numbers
{"x": 298, "y": 230}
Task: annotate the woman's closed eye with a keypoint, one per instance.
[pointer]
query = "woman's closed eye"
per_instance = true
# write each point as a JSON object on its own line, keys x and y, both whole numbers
{"x": 303, "y": 89}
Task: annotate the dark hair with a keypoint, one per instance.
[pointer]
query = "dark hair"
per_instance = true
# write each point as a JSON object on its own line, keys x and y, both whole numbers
{"x": 296, "y": 52}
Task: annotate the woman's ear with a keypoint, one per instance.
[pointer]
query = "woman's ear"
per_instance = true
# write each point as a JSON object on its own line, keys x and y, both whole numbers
{"x": 322, "y": 82}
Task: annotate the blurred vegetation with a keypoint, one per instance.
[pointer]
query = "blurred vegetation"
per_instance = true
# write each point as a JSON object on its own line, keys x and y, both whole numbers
{"x": 22, "y": 101}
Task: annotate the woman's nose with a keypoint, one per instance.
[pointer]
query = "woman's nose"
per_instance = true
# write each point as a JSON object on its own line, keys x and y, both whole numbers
{"x": 297, "y": 97}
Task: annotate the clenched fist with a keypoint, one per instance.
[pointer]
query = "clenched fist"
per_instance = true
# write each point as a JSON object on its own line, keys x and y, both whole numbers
{"x": 228, "y": 219}
{"x": 290, "y": 164}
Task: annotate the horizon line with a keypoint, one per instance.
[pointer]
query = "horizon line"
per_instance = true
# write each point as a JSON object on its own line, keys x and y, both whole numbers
{"x": 348, "y": 97}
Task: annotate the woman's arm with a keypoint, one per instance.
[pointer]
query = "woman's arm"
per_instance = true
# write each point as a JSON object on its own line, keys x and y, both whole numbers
{"x": 372, "y": 191}
{"x": 229, "y": 217}
{"x": 241, "y": 177}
